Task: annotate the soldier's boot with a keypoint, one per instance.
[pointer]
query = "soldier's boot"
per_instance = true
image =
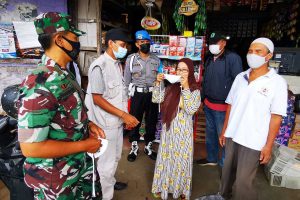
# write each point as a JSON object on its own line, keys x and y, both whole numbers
{"x": 150, "y": 152}
{"x": 133, "y": 152}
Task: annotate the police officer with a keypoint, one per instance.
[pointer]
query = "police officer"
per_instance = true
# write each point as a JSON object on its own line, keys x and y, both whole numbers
{"x": 52, "y": 119}
{"x": 140, "y": 74}
{"x": 107, "y": 100}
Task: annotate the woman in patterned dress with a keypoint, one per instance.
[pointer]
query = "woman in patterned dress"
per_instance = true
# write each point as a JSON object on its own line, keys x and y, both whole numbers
{"x": 173, "y": 169}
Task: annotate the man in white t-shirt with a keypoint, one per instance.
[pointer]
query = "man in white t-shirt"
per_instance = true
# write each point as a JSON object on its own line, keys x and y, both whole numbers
{"x": 256, "y": 103}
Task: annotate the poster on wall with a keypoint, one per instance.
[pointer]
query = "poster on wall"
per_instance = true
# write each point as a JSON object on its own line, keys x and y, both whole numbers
{"x": 20, "y": 10}
{"x": 25, "y": 11}
{"x": 7, "y": 41}
{"x": 26, "y": 34}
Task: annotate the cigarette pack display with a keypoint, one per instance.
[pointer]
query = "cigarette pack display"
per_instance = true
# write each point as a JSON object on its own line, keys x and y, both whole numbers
{"x": 180, "y": 51}
{"x": 190, "y": 51}
{"x": 164, "y": 49}
{"x": 172, "y": 51}
{"x": 191, "y": 42}
{"x": 173, "y": 41}
{"x": 197, "y": 52}
{"x": 182, "y": 42}
{"x": 155, "y": 48}
{"x": 198, "y": 43}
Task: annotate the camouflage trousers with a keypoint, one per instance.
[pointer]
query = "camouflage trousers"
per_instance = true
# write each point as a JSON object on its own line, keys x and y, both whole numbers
{"x": 81, "y": 189}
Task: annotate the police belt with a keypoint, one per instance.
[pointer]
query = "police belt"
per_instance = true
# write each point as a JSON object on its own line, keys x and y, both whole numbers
{"x": 144, "y": 89}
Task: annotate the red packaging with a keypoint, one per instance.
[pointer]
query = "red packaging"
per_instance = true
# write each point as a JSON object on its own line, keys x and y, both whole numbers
{"x": 173, "y": 51}
{"x": 173, "y": 41}
{"x": 182, "y": 42}
{"x": 180, "y": 51}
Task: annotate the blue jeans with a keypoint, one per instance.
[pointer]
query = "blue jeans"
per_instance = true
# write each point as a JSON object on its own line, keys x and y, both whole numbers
{"x": 214, "y": 124}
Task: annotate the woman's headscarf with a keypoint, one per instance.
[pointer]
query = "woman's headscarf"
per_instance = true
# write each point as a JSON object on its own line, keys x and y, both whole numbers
{"x": 169, "y": 106}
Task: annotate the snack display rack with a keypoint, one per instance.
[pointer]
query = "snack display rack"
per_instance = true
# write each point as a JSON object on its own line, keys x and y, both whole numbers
{"x": 171, "y": 48}
{"x": 174, "y": 47}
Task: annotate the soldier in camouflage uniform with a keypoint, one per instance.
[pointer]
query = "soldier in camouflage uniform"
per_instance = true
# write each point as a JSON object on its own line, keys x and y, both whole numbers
{"x": 52, "y": 120}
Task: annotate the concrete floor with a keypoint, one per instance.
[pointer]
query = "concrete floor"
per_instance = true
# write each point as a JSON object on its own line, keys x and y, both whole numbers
{"x": 139, "y": 175}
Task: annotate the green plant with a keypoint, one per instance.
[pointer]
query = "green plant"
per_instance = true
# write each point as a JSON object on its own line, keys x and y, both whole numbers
{"x": 179, "y": 19}
{"x": 200, "y": 19}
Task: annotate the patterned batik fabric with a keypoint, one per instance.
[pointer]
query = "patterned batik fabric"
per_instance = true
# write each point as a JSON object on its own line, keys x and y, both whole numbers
{"x": 173, "y": 169}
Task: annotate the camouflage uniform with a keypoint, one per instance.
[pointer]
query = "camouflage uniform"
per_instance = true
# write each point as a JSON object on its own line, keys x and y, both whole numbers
{"x": 53, "y": 22}
{"x": 52, "y": 109}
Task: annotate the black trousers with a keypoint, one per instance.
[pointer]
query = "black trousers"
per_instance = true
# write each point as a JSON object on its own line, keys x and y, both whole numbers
{"x": 141, "y": 103}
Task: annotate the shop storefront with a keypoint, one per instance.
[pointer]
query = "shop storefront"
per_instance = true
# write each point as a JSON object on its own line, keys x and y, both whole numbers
{"x": 179, "y": 28}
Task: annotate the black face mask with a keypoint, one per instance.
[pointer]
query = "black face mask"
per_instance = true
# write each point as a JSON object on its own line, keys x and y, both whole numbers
{"x": 145, "y": 48}
{"x": 73, "y": 54}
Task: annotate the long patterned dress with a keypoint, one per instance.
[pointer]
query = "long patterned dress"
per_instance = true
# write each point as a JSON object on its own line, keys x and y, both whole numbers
{"x": 173, "y": 169}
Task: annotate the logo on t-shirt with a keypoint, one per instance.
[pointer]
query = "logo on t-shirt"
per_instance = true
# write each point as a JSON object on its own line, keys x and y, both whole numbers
{"x": 264, "y": 91}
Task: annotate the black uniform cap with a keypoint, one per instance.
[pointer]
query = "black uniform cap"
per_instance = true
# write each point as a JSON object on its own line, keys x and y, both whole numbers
{"x": 117, "y": 34}
{"x": 216, "y": 37}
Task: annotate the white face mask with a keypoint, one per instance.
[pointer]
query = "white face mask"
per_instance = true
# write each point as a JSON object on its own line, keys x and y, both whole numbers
{"x": 255, "y": 61}
{"x": 214, "y": 49}
{"x": 172, "y": 78}
{"x": 102, "y": 149}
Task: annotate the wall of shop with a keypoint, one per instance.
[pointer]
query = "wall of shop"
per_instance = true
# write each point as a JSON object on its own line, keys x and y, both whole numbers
{"x": 18, "y": 63}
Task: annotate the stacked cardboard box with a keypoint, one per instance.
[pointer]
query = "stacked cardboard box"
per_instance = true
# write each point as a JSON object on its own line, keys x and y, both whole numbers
{"x": 284, "y": 168}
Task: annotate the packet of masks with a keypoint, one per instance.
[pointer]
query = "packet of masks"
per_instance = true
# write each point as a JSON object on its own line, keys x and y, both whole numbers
{"x": 172, "y": 78}
{"x": 101, "y": 150}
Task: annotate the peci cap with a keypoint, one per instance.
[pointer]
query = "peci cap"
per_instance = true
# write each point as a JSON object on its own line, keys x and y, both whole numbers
{"x": 53, "y": 22}
{"x": 266, "y": 42}
{"x": 117, "y": 34}
{"x": 216, "y": 37}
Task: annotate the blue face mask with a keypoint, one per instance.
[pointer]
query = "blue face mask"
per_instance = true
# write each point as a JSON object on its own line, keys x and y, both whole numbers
{"x": 121, "y": 53}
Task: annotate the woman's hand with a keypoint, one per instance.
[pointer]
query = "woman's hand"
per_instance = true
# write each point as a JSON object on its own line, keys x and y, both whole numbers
{"x": 159, "y": 78}
{"x": 184, "y": 81}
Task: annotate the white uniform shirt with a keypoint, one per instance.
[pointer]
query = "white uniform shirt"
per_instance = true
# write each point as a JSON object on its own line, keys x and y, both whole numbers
{"x": 252, "y": 105}
{"x": 106, "y": 78}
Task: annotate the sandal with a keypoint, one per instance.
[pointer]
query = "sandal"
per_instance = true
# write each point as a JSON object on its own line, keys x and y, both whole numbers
{"x": 156, "y": 195}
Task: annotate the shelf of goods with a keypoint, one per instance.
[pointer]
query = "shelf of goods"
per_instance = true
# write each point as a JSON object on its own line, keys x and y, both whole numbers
{"x": 171, "y": 48}
{"x": 174, "y": 47}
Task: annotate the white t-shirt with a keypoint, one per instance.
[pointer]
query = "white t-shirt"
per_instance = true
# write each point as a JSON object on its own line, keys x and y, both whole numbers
{"x": 252, "y": 105}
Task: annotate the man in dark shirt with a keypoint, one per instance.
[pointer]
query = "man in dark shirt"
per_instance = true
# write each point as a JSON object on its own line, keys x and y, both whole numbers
{"x": 221, "y": 68}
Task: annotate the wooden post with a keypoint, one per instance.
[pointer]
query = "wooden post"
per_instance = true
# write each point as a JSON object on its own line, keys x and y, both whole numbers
{"x": 99, "y": 26}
